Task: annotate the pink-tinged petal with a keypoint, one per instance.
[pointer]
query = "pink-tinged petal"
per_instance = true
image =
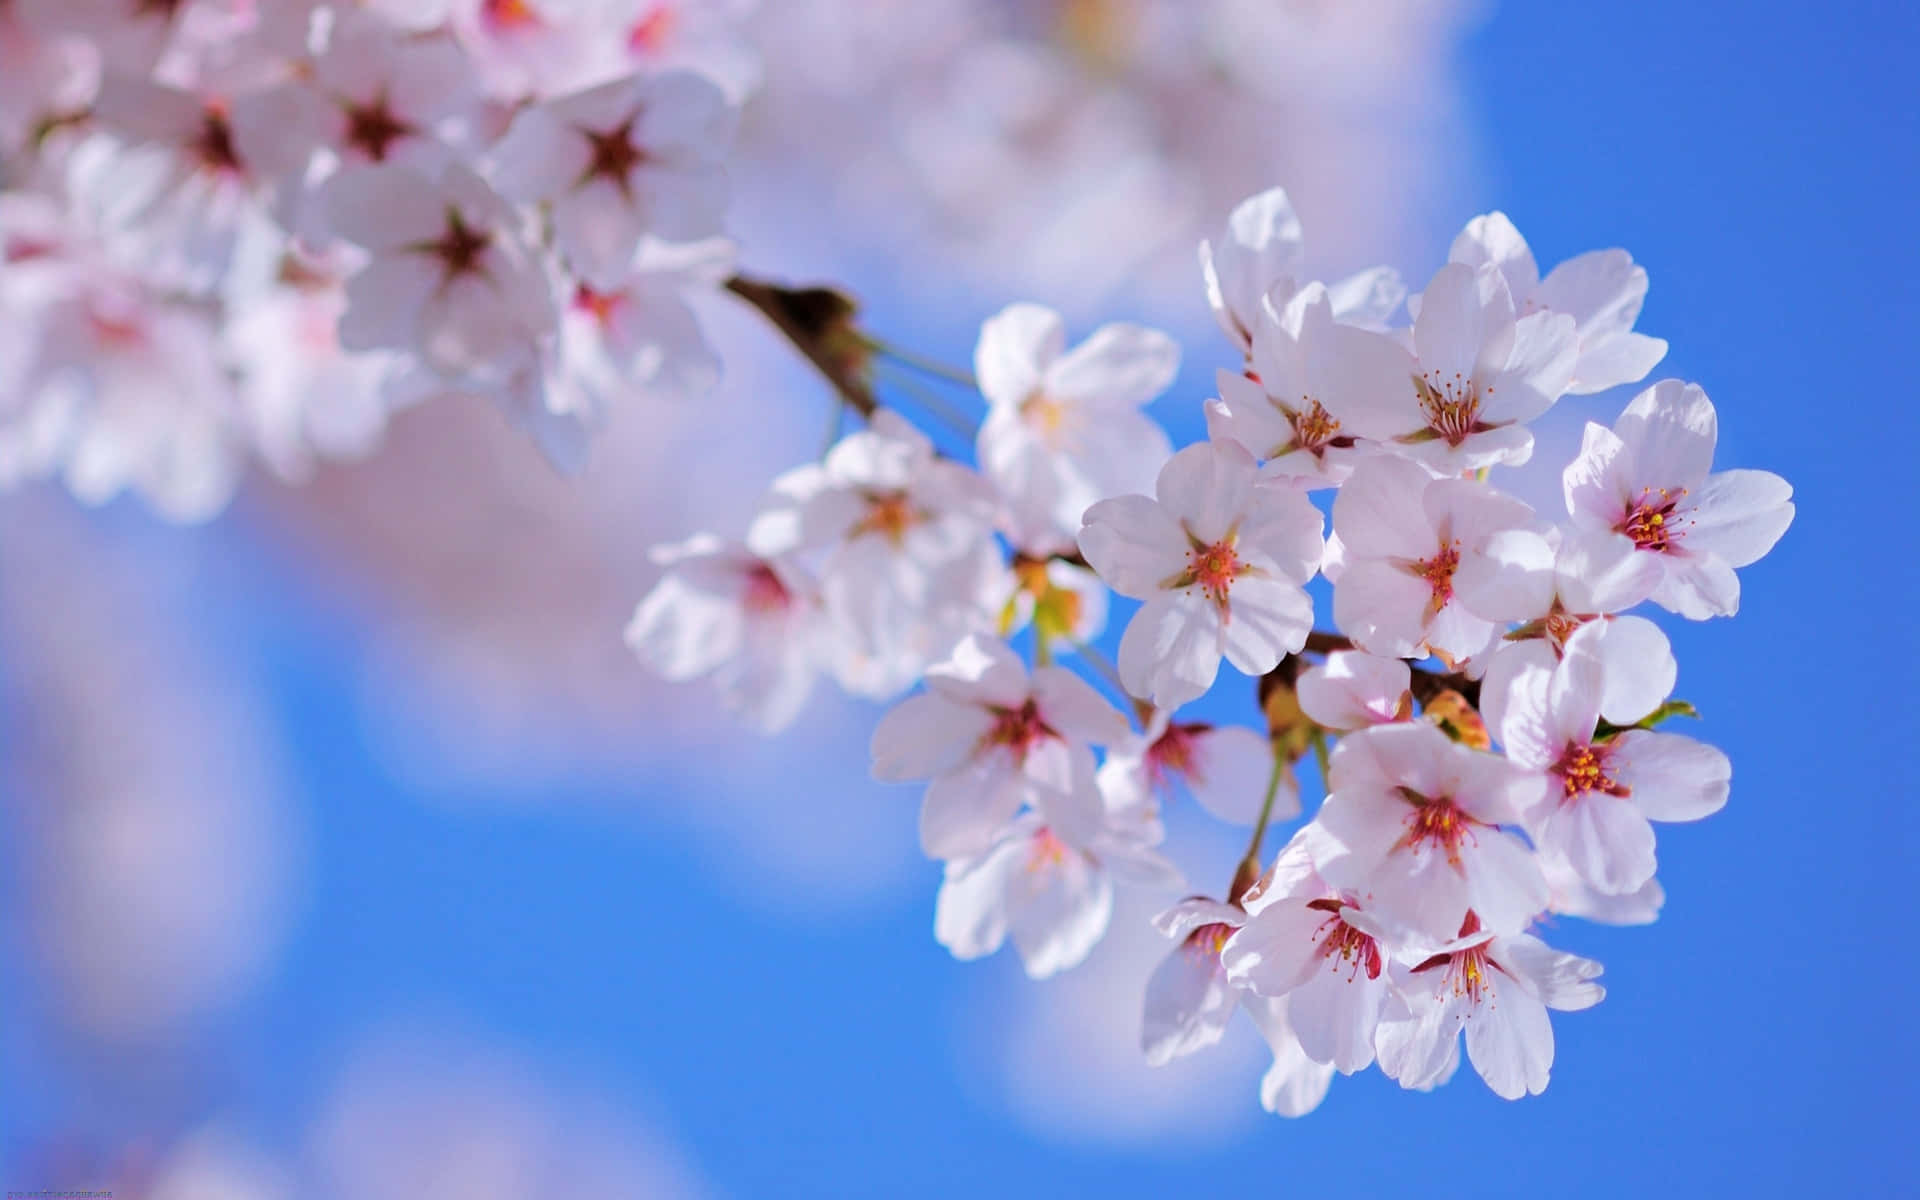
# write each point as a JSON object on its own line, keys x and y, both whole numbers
{"x": 1699, "y": 588}
{"x": 1421, "y": 1049}
{"x": 1118, "y": 367}
{"x": 1245, "y": 415}
{"x": 1016, "y": 346}
{"x": 1510, "y": 579}
{"x": 1673, "y": 778}
{"x": 1382, "y": 607}
{"x": 1510, "y": 1043}
{"x": 1378, "y": 512}
{"x": 1470, "y": 512}
{"x": 981, "y": 671}
{"x": 1414, "y": 754}
{"x": 1526, "y": 728}
{"x": 1275, "y": 951}
{"x": 1070, "y": 706}
{"x": 683, "y": 116}
{"x": 148, "y": 112}
{"x": 1229, "y": 772}
{"x": 1619, "y": 358}
{"x": 1594, "y": 483}
{"x": 1207, "y": 487}
{"x": 1637, "y": 666}
{"x": 1188, "y": 1004}
{"x": 1451, "y": 328}
{"x": 1574, "y": 696}
{"x": 683, "y": 631}
{"x": 1562, "y": 981}
{"x": 1353, "y": 690}
{"x": 1133, "y": 544}
{"x": 965, "y": 809}
{"x": 1171, "y": 650}
{"x": 1279, "y": 357}
{"x": 1606, "y": 841}
{"x": 1505, "y": 885}
{"x": 1492, "y": 238}
{"x": 1601, "y": 289}
{"x": 970, "y": 914}
{"x": 384, "y": 303}
{"x": 539, "y": 157}
{"x": 1459, "y": 634}
{"x": 1510, "y": 663}
{"x": 1293, "y": 873}
{"x": 926, "y": 735}
{"x": 1294, "y": 1085}
{"x": 384, "y": 208}
{"x": 1537, "y": 372}
{"x": 1120, "y": 454}
{"x": 1603, "y": 572}
{"x": 1059, "y": 915}
{"x": 1336, "y": 1012}
{"x": 1262, "y": 246}
{"x": 1267, "y": 619}
{"x": 432, "y": 78}
{"x": 1364, "y": 380}
{"x": 1193, "y": 912}
{"x": 598, "y": 231}
{"x": 1670, "y": 429}
{"x": 1283, "y": 532}
{"x": 1064, "y": 788}
{"x": 1739, "y": 515}
{"x": 1367, "y": 298}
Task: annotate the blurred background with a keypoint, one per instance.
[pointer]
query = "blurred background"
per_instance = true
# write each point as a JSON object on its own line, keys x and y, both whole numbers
{"x": 347, "y": 852}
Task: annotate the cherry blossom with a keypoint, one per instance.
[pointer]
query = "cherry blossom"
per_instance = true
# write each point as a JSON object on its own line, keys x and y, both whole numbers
{"x": 993, "y": 739}
{"x": 1602, "y": 290}
{"x": 1480, "y": 374}
{"x": 752, "y": 623}
{"x": 1404, "y": 538}
{"x": 1600, "y": 791}
{"x": 633, "y": 157}
{"x": 1295, "y": 1084}
{"x": 1226, "y": 768}
{"x": 1063, "y": 428}
{"x": 907, "y": 565}
{"x": 1414, "y": 828}
{"x": 451, "y": 280}
{"x": 1219, "y": 558}
{"x": 1355, "y": 690}
{"x": 1308, "y": 398}
{"x": 1052, "y": 894}
{"x": 1188, "y": 1000}
{"x": 1498, "y": 989}
{"x": 1648, "y": 478}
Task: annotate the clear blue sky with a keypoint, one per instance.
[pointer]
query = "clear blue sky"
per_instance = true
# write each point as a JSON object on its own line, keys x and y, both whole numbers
{"x": 1761, "y": 159}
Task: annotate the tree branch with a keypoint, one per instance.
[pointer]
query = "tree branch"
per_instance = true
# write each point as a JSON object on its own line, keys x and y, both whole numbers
{"x": 819, "y": 323}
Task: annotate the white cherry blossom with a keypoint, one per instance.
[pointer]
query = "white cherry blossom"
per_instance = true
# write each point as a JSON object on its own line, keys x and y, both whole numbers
{"x": 637, "y": 156}
{"x": 753, "y": 624}
{"x": 1188, "y": 1001}
{"x": 993, "y": 739}
{"x": 1602, "y": 290}
{"x": 1356, "y": 690}
{"x": 1414, "y": 829}
{"x": 1220, "y": 560}
{"x": 1498, "y": 990}
{"x": 1226, "y": 768}
{"x": 1404, "y": 537}
{"x": 1064, "y": 427}
{"x": 1649, "y": 478}
{"x": 1599, "y": 793}
{"x": 1309, "y": 397}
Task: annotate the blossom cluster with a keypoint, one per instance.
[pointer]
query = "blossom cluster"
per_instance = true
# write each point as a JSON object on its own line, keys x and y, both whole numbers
{"x": 1483, "y": 714}
{"x": 235, "y": 230}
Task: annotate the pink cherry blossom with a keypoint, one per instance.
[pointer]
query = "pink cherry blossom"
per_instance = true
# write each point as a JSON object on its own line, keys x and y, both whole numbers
{"x": 1648, "y": 478}
{"x": 1226, "y": 768}
{"x": 1414, "y": 829}
{"x": 1220, "y": 560}
{"x": 1356, "y": 690}
{"x": 1189, "y": 1002}
{"x": 1064, "y": 427}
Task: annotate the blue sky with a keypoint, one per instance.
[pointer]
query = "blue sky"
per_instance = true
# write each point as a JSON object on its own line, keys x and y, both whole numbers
{"x": 1760, "y": 159}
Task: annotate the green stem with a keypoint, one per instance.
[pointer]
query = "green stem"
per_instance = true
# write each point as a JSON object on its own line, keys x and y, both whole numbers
{"x": 1247, "y": 873}
{"x": 934, "y": 406}
{"x": 930, "y": 366}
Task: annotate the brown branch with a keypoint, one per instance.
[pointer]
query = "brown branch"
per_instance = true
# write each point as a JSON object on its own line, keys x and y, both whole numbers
{"x": 819, "y": 323}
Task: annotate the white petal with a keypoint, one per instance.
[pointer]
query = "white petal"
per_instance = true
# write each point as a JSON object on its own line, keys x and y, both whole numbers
{"x": 1229, "y": 773}
{"x": 926, "y": 735}
{"x": 1510, "y": 1042}
{"x": 1673, "y": 778}
{"x": 965, "y": 809}
{"x": 1070, "y": 705}
{"x": 1739, "y": 515}
{"x": 1670, "y": 430}
{"x": 1187, "y": 1006}
{"x": 1171, "y": 650}
{"x": 1118, "y": 367}
{"x": 1015, "y": 348}
{"x": 1133, "y": 544}
{"x": 1207, "y": 487}
{"x": 1267, "y": 619}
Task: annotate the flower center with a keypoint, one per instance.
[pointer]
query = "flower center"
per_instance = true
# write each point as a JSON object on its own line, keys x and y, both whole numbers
{"x": 1314, "y": 428}
{"x": 1214, "y": 568}
{"x": 1451, "y": 406}
{"x": 1018, "y": 729}
{"x": 599, "y": 305}
{"x": 1208, "y": 940}
{"x": 1045, "y": 850}
{"x": 459, "y": 248}
{"x": 1048, "y": 417}
{"x": 612, "y": 155}
{"x": 1651, "y": 522}
{"x": 213, "y": 145}
{"x": 510, "y": 14}
{"x": 765, "y": 593}
{"x": 1172, "y": 754}
{"x": 1438, "y": 572}
{"x": 1561, "y": 625}
{"x": 1469, "y": 971}
{"x": 1582, "y": 770}
{"x": 1340, "y": 941}
{"x": 372, "y": 128}
{"x": 1437, "y": 825}
{"x": 889, "y": 514}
